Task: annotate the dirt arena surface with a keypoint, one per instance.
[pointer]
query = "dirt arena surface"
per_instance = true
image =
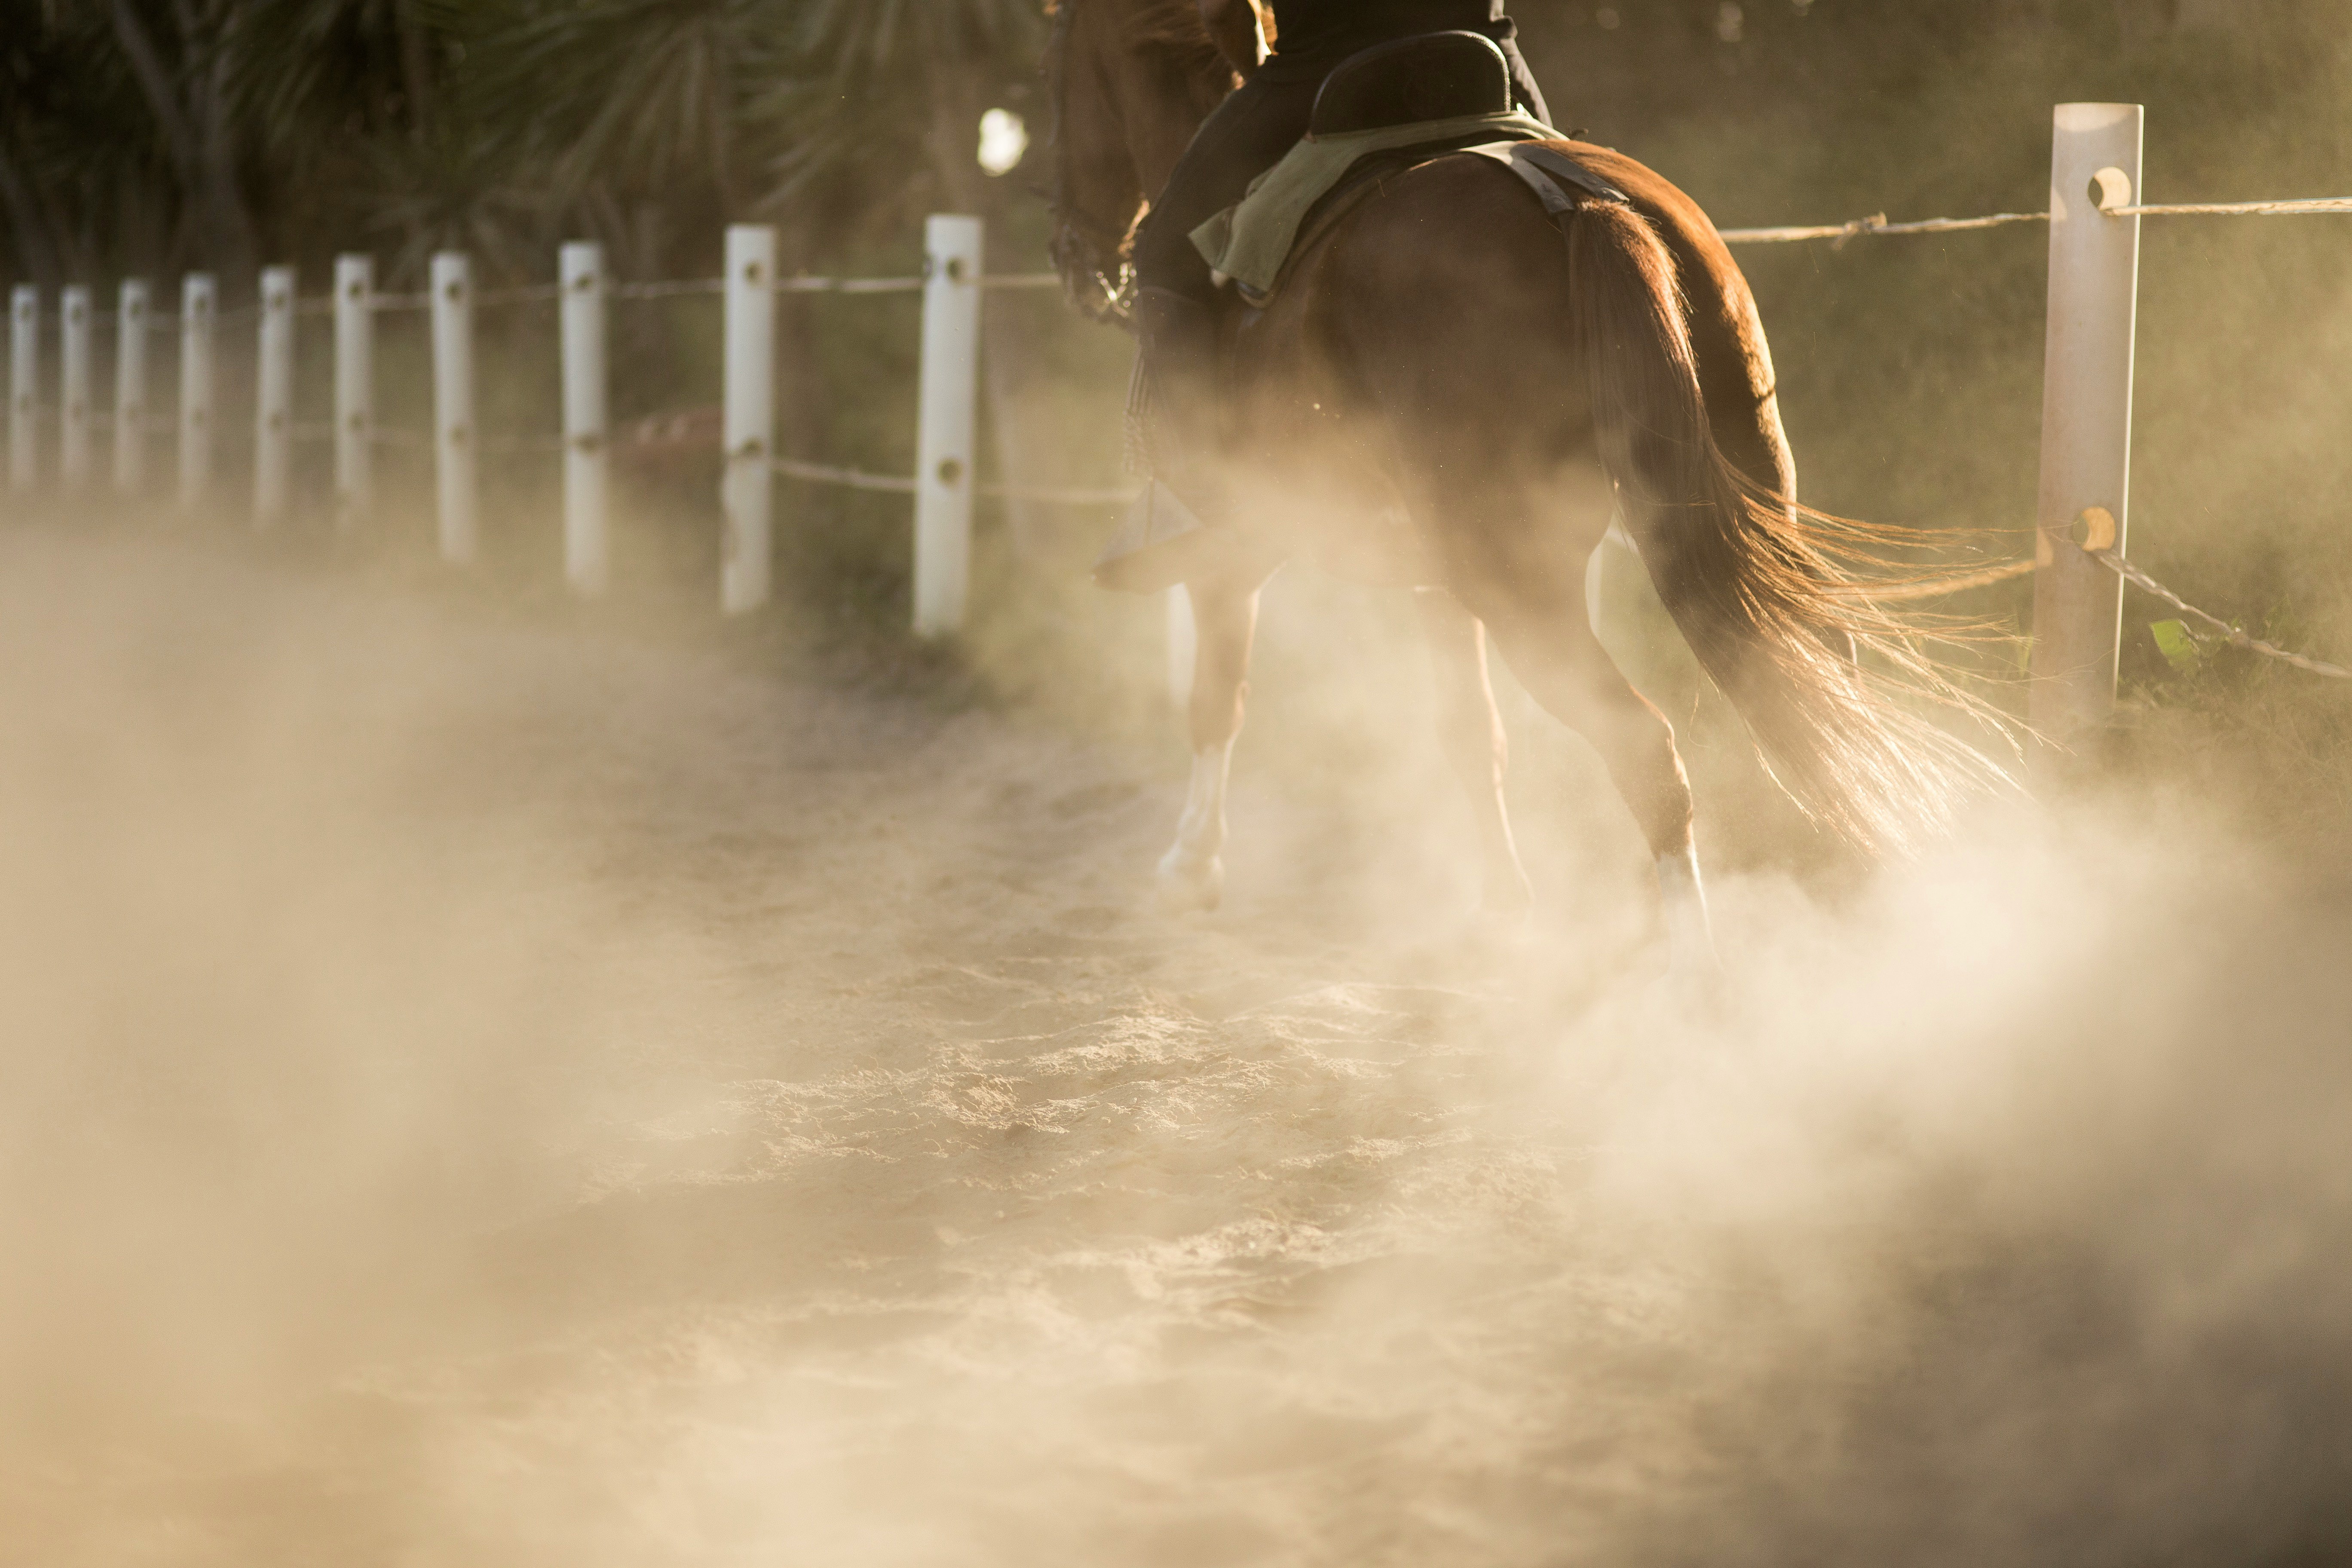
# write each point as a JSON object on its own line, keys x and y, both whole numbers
{"x": 485, "y": 1093}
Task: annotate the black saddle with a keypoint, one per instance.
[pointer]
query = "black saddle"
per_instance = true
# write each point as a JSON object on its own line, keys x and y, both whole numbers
{"x": 1432, "y": 76}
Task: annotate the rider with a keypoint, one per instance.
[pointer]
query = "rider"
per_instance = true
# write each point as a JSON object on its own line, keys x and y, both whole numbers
{"x": 1174, "y": 311}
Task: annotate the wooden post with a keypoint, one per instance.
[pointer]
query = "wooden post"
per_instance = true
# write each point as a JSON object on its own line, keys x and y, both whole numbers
{"x": 131, "y": 327}
{"x": 943, "y": 441}
{"x": 747, "y": 492}
{"x": 273, "y": 401}
{"x": 73, "y": 385}
{"x": 355, "y": 387}
{"x": 455, "y": 439}
{"x": 198, "y": 299}
{"x": 587, "y": 549}
{"x": 2086, "y": 405}
{"x": 24, "y": 388}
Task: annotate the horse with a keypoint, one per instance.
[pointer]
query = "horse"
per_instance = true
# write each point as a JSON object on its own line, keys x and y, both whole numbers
{"x": 1466, "y": 416}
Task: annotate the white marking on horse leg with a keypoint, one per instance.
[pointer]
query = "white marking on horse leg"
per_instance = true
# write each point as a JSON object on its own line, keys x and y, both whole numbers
{"x": 1470, "y": 733}
{"x": 1691, "y": 958}
{"x": 1192, "y": 872}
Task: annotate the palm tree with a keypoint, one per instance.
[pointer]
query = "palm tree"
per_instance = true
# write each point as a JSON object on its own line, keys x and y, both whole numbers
{"x": 184, "y": 58}
{"x": 884, "y": 89}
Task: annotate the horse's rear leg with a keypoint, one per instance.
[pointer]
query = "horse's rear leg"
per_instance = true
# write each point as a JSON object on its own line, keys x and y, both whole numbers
{"x": 1225, "y": 619}
{"x": 1544, "y": 632}
{"x": 1470, "y": 732}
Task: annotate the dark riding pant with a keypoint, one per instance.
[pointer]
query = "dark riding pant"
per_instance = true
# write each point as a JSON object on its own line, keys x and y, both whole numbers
{"x": 1243, "y": 137}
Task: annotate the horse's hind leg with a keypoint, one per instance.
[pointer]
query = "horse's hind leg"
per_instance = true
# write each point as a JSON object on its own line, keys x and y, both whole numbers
{"x": 1539, "y": 619}
{"x": 1470, "y": 732}
{"x": 1225, "y": 619}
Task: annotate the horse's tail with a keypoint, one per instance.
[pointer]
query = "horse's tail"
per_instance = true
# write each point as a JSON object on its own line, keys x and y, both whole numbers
{"x": 1748, "y": 576}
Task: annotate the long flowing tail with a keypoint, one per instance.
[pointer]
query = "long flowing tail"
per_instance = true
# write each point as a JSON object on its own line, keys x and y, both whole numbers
{"x": 1753, "y": 581}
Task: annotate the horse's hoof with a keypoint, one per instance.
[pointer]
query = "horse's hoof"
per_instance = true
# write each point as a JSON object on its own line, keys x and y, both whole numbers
{"x": 1189, "y": 886}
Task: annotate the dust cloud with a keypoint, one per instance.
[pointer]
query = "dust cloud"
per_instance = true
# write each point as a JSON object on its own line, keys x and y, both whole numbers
{"x": 482, "y": 1091}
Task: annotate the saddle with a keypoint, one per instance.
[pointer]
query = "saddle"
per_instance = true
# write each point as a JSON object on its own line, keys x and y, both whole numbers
{"x": 1385, "y": 110}
{"x": 1389, "y": 108}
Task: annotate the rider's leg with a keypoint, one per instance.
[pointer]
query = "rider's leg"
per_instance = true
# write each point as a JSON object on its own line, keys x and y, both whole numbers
{"x": 1241, "y": 138}
{"x": 1470, "y": 732}
{"x": 1175, "y": 311}
{"x": 1225, "y": 619}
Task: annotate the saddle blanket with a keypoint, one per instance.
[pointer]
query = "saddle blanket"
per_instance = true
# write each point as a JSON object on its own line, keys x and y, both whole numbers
{"x": 1248, "y": 243}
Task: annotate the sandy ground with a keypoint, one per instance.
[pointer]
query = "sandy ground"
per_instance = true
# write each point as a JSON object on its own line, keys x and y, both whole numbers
{"x": 486, "y": 1093}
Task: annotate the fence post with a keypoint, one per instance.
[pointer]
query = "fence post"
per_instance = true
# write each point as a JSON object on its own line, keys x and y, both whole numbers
{"x": 2086, "y": 403}
{"x": 73, "y": 389}
{"x": 579, "y": 273}
{"x": 197, "y": 298}
{"x": 355, "y": 387}
{"x": 24, "y": 386}
{"x": 131, "y": 387}
{"x": 273, "y": 401}
{"x": 747, "y": 492}
{"x": 455, "y": 439}
{"x": 943, "y": 441}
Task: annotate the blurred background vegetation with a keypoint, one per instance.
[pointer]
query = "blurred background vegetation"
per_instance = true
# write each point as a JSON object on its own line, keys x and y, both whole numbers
{"x": 147, "y": 137}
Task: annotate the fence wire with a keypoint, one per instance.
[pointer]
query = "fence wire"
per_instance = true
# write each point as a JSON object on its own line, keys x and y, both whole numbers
{"x": 854, "y": 479}
{"x": 2237, "y": 209}
{"x": 1937, "y": 587}
{"x": 897, "y": 484}
{"x": 2221, "y": 628}
{"x": 1875, "y": 223}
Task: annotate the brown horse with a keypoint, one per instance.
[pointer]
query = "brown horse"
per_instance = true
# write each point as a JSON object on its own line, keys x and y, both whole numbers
{"x": 1451, "y": 391}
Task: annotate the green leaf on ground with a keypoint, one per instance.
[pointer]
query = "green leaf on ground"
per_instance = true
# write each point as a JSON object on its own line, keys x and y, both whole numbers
{"x": 2179, "y": 647}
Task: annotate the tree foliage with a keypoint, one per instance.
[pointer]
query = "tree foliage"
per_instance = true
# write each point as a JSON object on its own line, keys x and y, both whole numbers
{"x": 149, "y": 135}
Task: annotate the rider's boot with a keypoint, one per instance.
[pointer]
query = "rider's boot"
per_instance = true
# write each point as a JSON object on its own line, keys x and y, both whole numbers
{"x": 1180, "y": 417}
{"x": 1178, "y": 338}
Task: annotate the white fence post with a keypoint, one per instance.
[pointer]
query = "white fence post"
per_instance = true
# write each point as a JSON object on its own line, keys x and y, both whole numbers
{"x": 73, "y": 388}
{"x": 355, "y": 387}
{"x": 273, "y": 401}
{"x": 198, "y": 299}
{"x": 943, "y": 441}
{"x": 131, "y": 387}
{"x": 24, "y": 386}
{"x": 455, "y": 439}
{"x": 2086, "y": 405}
{"x": 587, "y": 549}
{"x": 747, "y": 493}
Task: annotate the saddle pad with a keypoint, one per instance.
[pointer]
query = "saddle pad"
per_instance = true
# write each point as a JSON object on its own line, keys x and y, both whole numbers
{"x": 1248, "y": 241}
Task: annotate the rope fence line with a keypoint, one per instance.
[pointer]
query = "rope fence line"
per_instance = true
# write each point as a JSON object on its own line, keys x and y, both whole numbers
{"x": 1875, "y": 223}
{"x": 668, "y": 291}
{"x": 952, "y": 279}
{"x": 897, "y": 484}
{"x": 2237, "y": 209}
{"x": 2106, "y": 556}
{"x": 853, "y": 478}
{"x": 2220, "y": 629}
{"x": 550, "y": 294}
